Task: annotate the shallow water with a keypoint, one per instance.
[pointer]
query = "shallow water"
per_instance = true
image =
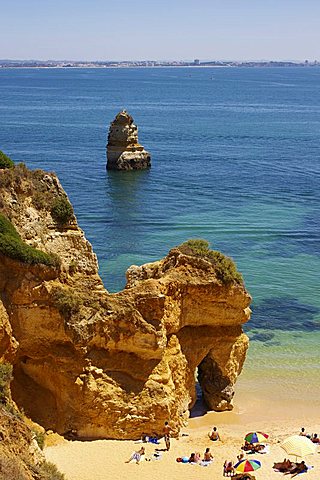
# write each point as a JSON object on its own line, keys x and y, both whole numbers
{"x": 235, "y": 160}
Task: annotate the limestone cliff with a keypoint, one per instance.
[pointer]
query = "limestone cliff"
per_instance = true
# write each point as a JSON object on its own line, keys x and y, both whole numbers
{"x": 112, "y": 365}
{"x": 123, "y": 149}
{"x": 19, "y": 451}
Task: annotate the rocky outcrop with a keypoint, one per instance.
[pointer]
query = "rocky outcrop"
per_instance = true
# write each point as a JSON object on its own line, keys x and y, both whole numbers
{"x": 19, "y": 452}
{"x": 113, "y": 365}
{"x": 123, "y": 149}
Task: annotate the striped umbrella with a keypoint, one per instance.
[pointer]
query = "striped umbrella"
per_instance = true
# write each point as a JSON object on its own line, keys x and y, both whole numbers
{"x": 298, "y": 445}
{"x": 256, "y": 437}
{"x": 247, "y": 466}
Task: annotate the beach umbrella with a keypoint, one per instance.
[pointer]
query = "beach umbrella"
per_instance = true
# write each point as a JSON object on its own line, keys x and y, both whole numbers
{"x": 256, "y": 437}
{"x": 298, "y": 445}
{"x": 247, "y": 466}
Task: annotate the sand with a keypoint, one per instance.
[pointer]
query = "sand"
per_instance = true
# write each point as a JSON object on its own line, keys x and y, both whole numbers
{"x": 105, "y": 459}
{"x": 273, "y": 400}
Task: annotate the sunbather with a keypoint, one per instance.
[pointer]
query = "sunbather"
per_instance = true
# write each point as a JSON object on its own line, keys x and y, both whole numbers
{"x": 137, "y": 456}
{"x": 284, "y": 466}
{"x": 214, "y": 435}
{"x": 247, "y": 446}
{"x": 192, "y": 458}
{"x": 244, "y": 476}
{"x": 304, "y": 433}
{"x": 240, "y": 457}
{"x": 299, "y": 468}
{"x": 228, "y": 469}
{"x": 207, "y": 456}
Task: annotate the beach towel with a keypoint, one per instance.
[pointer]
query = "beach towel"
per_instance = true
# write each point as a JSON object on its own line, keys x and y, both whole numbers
{"x": 153, "y": 440}
{"x": 155, "y": 456}
{"x": 265, "y": 450}
{"x": 309, "y": 467}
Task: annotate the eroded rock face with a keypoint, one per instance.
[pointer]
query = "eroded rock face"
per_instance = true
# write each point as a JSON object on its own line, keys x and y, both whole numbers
{"x": 123, "y": 149}
{"x": 20, "y": 455}
{"x": 114, "y": 365}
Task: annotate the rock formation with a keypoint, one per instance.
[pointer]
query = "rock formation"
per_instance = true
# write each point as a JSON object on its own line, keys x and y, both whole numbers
{"x": 112, "y": 365}
{"x": 20, "y": 455}
{"x": 123, "y": 149}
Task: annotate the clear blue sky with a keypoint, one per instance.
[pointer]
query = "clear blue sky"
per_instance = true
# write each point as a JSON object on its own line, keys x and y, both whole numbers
{"x": 160, "y": 29}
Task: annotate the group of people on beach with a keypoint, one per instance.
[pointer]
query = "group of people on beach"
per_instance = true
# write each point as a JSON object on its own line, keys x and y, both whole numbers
{"x": 196, "y": 458}
{"x": 138, "y": 454}
{"x": 313, "y": 436}
{"x": 290, "y": 468}
{"x": 286, "y": 466}
{"x": 253, "y": 447}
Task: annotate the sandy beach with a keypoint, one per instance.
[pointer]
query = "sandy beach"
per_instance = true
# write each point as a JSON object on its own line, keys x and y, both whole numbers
{"x": 105, "y": 459}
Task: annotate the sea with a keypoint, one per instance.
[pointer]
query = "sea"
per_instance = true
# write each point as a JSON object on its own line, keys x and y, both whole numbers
{"x": 235, "y": 160}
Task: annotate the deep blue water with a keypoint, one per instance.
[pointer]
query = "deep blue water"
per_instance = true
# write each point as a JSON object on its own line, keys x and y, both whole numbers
{"x": 235, "y": 160}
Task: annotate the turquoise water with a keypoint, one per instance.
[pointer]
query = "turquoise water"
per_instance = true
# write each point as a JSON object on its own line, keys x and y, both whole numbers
{"x": 235, "y": 159}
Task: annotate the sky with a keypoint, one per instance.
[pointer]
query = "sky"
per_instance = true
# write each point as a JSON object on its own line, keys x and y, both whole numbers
{"x": 160, "y": 29}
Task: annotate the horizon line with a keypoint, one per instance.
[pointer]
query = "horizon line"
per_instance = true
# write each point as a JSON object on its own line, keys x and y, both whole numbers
{"x": 152, "y": 60}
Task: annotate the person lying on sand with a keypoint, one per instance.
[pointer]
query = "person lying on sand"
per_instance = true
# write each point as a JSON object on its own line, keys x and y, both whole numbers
{"x": 137, "y": 456}
{"x": 244, "y": 476}
{"x": 299, "y": 468}
{"x": 247, "y": 447}
{"x": 285, "y": 466}
{"x": 257, "y": 448}
{"x": 253, "y": 448}
{"x": 315, "y": 438}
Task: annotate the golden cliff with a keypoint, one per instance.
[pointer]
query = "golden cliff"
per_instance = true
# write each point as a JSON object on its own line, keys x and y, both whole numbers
{"x": 111, "y": 365}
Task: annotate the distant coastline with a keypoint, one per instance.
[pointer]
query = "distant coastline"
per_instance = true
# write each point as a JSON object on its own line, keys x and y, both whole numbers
{"x": 149, "y": 63}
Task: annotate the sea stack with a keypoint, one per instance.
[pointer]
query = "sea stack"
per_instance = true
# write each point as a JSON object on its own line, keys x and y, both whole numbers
{"x": 123, "y": 149}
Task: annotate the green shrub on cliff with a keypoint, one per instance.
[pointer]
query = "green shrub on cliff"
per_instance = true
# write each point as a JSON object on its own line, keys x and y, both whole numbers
{"x": 40, "y": 438}
{"x": 195, "y": 247}
{"x": 66, "y": 301}
{"x": 12, "y": 245}
{"x": 5, "y": 379}
{"x": 49, "y": 471}
{"x": 62, "y": 211}
{"x": 5, "y": 161}
{"x": 226, "y": 270}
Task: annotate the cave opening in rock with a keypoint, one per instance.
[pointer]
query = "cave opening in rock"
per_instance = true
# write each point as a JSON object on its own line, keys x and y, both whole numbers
{"x": 200, "y": 407}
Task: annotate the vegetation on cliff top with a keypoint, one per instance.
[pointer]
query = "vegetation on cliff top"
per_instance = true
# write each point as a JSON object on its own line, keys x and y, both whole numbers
{"x": 5, "y": 161}
{"x": 12, "y": 245}
{"x": 61, "y": 210}
{"x": 40, "y": 186}
{"x": 225, "y": 267}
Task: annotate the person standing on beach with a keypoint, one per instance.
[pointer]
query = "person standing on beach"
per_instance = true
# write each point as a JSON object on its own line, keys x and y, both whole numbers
{"x": 167, "y": 432}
